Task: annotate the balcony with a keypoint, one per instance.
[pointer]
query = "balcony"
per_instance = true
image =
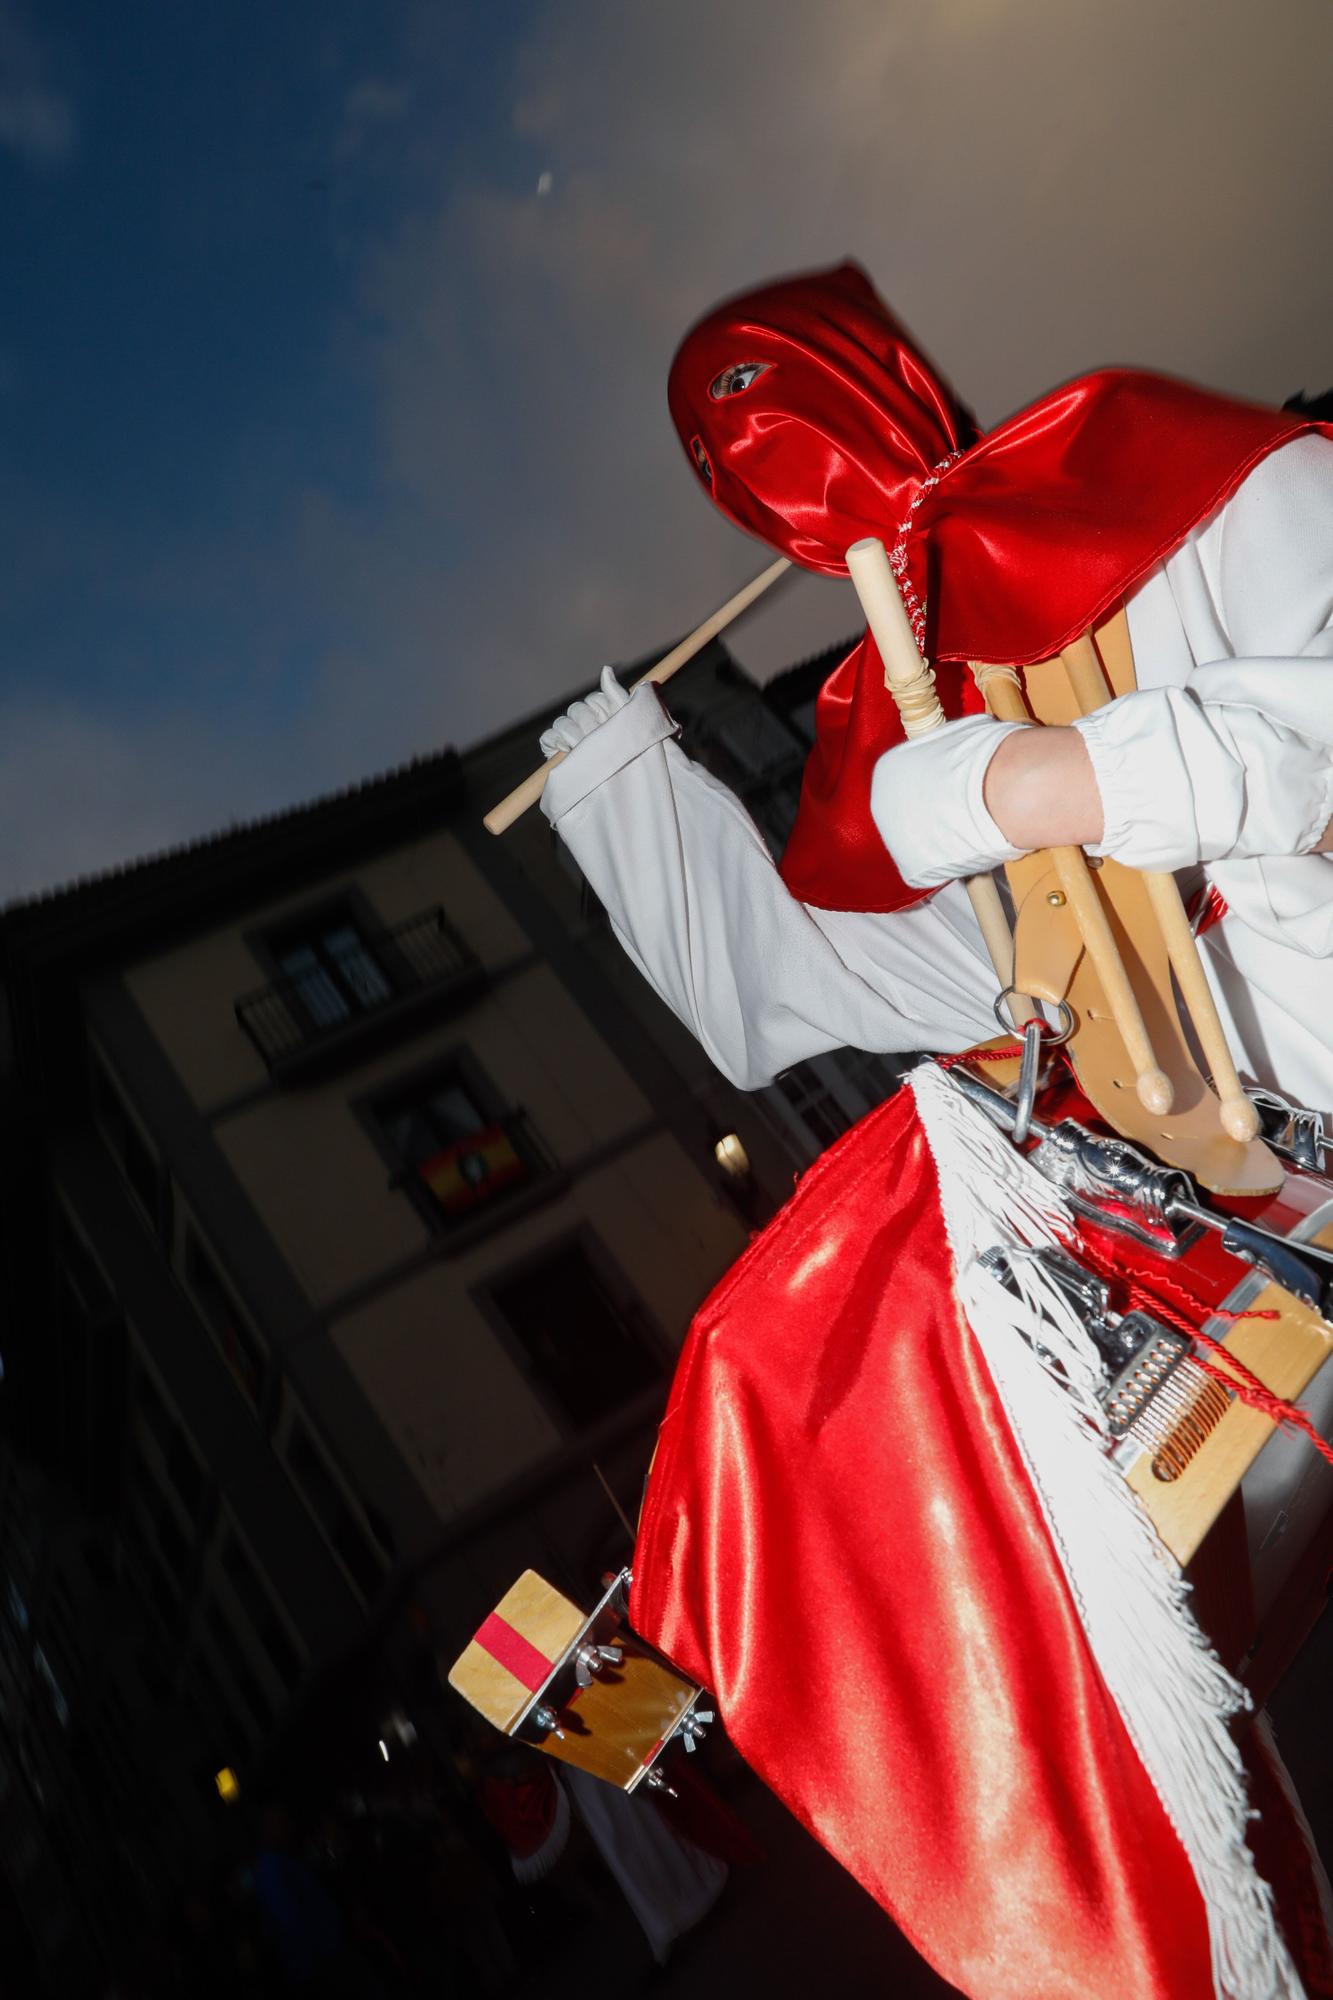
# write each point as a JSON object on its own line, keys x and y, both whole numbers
{"x": 484, "y": 1181}
{"x": 398, "y": 978}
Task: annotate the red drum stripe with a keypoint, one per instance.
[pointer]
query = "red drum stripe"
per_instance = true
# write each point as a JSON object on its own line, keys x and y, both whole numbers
{"x": 513, "y": 1652}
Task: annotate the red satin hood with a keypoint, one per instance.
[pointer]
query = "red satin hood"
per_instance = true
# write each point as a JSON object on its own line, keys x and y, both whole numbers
{"x": 813, "y": 418}
{"x": 832, "y": 439}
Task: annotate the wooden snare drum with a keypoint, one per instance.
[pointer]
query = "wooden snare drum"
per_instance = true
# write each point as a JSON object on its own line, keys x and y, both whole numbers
{"x": 580, "y": 1687}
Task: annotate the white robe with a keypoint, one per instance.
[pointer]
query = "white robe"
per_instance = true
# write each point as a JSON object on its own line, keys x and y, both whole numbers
{"x": 1224, "y": 758}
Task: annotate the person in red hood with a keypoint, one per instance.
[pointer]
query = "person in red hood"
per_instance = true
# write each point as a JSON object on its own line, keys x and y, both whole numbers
{"x": 840, "y": 1523}
{"x": 811, "y": 418}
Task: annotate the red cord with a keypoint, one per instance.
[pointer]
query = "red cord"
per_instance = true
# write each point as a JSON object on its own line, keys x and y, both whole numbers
{"x": 1235, "y": 1375}
{"x": 997, "y": 1055}
{"x": 981, "y": 1055}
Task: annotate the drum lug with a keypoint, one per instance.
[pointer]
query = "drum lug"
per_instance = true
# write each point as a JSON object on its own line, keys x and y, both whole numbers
{"x": 1104, "y": 1179}
{"x": 1292, "y": 1130}
{"x": 692, "y": 1727}
{"x": 1137, "y": 1354}
{"x": 590, "y": 1659}
{"x": 1303, "y": 1269}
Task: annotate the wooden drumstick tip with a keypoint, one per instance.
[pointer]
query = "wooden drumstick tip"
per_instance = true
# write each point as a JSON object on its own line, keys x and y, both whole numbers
{"x": 1240, "y": 1120}
{"x": 1154, "y": 1091}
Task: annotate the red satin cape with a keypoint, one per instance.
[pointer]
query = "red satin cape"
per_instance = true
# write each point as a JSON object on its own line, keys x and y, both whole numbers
{"x": 1022, "y": 543}
{"x": 839, "y": 1539}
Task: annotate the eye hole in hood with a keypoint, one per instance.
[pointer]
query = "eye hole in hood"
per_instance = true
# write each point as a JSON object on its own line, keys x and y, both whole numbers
{"x": 734, "y": 381}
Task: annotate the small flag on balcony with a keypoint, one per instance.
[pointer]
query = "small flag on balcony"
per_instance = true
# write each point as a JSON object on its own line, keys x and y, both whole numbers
{"x": 469, "y": 1172}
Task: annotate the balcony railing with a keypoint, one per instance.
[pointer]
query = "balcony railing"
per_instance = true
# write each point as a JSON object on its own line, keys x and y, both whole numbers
{"x": 492, "y": 1175}
{"x": 315, "y": 1017}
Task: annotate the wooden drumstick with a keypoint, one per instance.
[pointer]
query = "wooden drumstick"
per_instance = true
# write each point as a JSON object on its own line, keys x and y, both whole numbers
{"x": 1005, "y": 700}
{"x": 912, "y": 685}
{"x": 527, "y": 794}
{"x": 1240, "y": 1120}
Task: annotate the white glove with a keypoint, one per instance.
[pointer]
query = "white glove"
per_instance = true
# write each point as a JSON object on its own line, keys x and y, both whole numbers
{"x": 582, "y": 717}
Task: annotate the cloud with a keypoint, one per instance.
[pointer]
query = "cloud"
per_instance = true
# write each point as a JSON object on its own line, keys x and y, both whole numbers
{"x": 369, "y": 107}
{"x": 37, "y": 122}
{"x": 82, "y": 791}
{"x": 1037, "y": 190}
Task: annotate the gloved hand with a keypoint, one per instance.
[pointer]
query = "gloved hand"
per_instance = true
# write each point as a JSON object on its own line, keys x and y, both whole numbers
{"x": 582, "y": 717}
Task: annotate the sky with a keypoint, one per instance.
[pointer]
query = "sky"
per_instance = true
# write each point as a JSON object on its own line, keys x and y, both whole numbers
{"x": 334, "y": 337}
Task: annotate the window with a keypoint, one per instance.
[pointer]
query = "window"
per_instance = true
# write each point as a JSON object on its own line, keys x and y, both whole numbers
{"x": 157, "y": 1515}
{"x": 772, "y": 807}
{"x": 872, "y": 1077}
{"x": 90, "y": 1295}
{"x": 241, "y": 1349}
{"x": 814, "y": 1101}
{"x": 145, "y": 1569}
{"x": 339, "y": 980}
{"x": 132, "y": 1153}
{"x": 582, "y": 1334}
{"x": 183, "y": 1467}
{"x": 334, "y": 969}
{"x": 222, "y": 1726}
{"x": 334, "y": 1513}
{"x": 259, "y": 1608}
{"x": 456, "y": 1145}
{"x": 753, "y": 738}
{"x": 232, "y": 1654}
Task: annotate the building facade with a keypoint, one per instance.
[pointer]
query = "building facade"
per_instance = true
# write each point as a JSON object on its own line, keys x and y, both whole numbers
{"x": 356, "y": 1197}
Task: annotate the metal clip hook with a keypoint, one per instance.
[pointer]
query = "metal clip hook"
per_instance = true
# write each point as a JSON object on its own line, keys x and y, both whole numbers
{"x": 1028, "y": 1074}
{"x": 1036, "y": 1030}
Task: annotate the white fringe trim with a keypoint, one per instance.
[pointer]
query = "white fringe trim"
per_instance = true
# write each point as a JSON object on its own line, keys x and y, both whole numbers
{"x": 1173, "y": 1693}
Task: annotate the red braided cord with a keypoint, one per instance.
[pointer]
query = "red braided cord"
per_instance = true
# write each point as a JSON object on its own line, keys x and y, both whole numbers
{"x": 1247, "y": 1385}
{"x": 981, "y": 1055}
{"x": 1235, "y": 1375}
{"x": 1243, "y": 1381}
{"x": 997, "y": 1055}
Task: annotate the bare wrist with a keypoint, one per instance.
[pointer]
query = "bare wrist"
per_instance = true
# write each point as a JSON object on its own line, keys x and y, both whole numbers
{"x": 1040, "y": 790}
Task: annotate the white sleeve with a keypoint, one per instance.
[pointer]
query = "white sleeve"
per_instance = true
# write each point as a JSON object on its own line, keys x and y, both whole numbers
{"x": 927, "y": 804}
{"x": 1209, "y": 772}
{"x": 1235, "y": 768}
{"x": 693, "y": 895}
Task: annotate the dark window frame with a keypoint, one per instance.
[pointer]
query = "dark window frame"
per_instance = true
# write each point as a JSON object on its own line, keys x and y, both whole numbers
{"x": 216, "y": 1624}
{"x": 259, "y": 1603}
{"x": 198, "y": 1258}
{"x": 125, "y": 1139}
{"x": 543, "y": 1179}
{"x": 424, "y": 963}
{"x": 637, "y": 1321}
{"x": 181, "y": 1459}
{"x": 151, "y": 1504}
{"x": 373, "y": 1564}
{"x": 351, "y": 905}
